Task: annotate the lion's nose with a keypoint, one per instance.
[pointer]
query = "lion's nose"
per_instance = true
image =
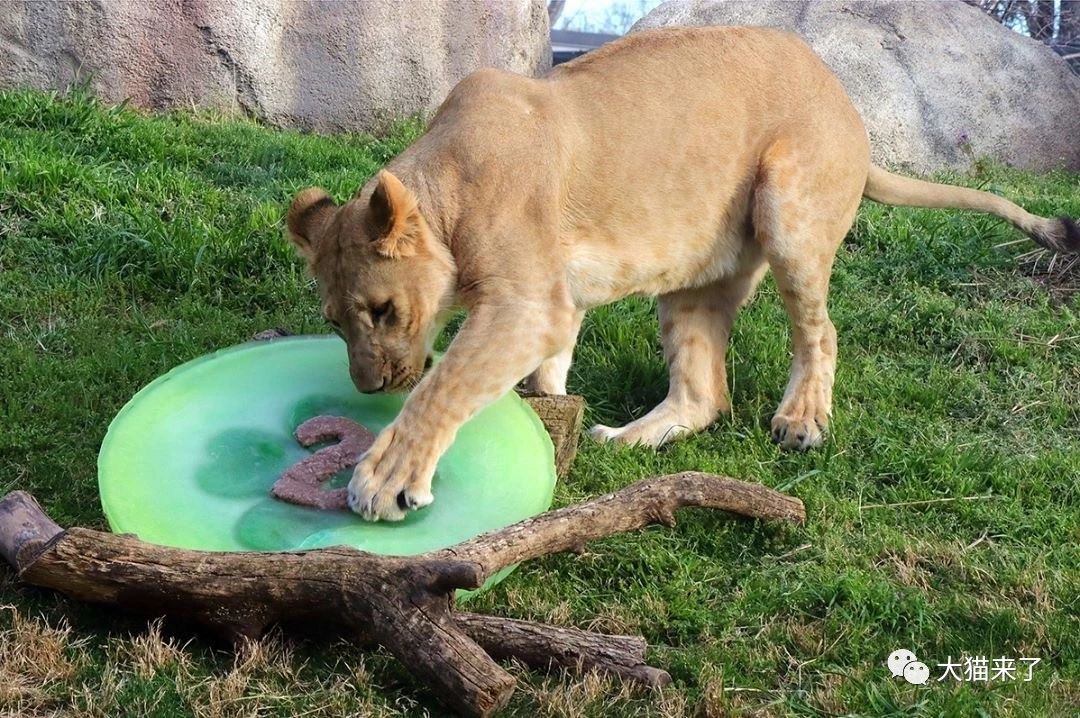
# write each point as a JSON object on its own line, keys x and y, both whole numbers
{"x": 365, "y": 380}
{"x": 373, "y": 389}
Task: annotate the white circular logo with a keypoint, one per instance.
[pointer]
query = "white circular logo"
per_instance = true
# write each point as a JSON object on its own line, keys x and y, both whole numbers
{"x": 898, "y": 659}
{"x": 916, "y": 673}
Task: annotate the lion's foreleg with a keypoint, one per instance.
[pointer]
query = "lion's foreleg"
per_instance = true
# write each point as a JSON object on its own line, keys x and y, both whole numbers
{"x": 498, "y": 345}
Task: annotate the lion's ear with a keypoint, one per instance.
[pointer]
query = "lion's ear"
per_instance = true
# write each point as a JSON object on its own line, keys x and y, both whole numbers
{"x": 309, "y": 212}
{"x": 396, "y": 216}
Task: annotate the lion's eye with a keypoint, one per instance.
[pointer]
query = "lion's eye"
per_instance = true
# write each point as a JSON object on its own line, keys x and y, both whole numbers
{"x": 382, "y": 312}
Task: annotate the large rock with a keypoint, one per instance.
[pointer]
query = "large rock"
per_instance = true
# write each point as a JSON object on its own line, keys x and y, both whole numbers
{"x": 301, "y": 63}
{"x": 938, "y": 83}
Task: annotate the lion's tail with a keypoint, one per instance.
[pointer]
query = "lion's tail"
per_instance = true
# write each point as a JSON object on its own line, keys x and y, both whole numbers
{"x": 1059, "y": 234}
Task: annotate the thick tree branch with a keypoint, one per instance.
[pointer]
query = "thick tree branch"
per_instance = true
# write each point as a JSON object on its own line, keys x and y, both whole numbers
{"x": 402, "y": 603}
{"x": 646, "y": 502}
{"x": 542, "y": 646}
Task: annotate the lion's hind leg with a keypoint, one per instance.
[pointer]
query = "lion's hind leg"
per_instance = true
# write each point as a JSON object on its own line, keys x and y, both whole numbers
{"x": 804, "y": 204}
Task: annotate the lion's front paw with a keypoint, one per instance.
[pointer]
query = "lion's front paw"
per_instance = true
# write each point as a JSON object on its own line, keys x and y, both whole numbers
{"x": 393, "y": 477}
{"x": 802, "y": 419}
{"x": 799, "y": 432}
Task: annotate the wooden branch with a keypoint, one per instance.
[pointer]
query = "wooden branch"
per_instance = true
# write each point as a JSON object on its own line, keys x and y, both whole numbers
{"x": 25, "y": 530}
{"x": 542, "y": 646}
{"x": 646, "y": 502}
{"x": 402, "y": 603}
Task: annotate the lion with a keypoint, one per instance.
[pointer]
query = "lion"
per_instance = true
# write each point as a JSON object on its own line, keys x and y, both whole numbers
{"x": 675, "y": 163}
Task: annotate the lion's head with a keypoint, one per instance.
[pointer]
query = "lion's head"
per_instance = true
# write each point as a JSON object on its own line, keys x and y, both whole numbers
{"x": 386, "y": 282}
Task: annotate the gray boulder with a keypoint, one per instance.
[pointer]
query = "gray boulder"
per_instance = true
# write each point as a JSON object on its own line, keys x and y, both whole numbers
{"x": 937, "y": 83}
{"x": 300, "y": 63}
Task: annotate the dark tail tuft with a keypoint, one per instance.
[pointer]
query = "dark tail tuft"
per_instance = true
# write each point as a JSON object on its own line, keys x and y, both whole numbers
{"x": 1072, "y": 234}
{"x": 1059, "y": 235}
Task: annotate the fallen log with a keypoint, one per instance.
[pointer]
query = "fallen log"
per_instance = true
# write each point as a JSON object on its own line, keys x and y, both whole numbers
{"x": 402, "y": 603}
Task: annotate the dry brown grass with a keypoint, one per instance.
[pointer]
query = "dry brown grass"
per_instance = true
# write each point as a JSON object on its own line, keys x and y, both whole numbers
{"x": 566, "y": 696}
{"x": 46, "y": 671}
{"x": 150, "y": 652}
{"x": 34, "y": 657}
{"x": 1058, "y": 273}
{"x": 41, "y": 674}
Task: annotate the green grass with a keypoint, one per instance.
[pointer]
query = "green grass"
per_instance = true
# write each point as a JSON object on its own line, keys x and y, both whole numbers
{"x": 944, "y": 514}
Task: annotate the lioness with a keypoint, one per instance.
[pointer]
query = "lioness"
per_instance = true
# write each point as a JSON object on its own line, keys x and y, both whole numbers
{"x": 680, "y": 163}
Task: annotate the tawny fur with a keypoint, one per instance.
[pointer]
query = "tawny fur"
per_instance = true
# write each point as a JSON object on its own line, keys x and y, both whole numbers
{"x": 680, "y": 163}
